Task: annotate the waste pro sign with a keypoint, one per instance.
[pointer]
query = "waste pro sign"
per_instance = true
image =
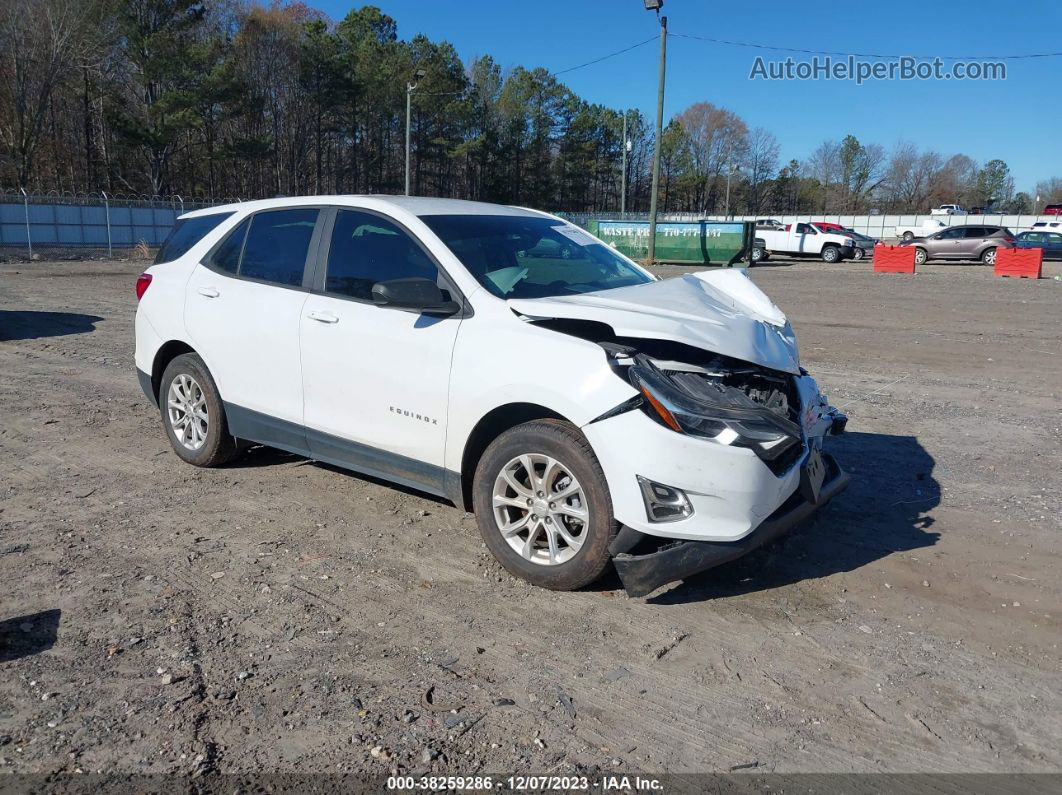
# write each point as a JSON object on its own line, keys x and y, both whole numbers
{"x": 691, "y": 243}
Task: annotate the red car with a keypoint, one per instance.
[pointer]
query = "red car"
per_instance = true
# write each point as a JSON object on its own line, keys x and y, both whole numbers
{"x": 1053, "y": 209}
{"x": 825, "y": 226}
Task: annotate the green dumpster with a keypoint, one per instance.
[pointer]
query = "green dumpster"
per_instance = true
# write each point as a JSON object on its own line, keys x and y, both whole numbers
{"x": 682, "y": 243}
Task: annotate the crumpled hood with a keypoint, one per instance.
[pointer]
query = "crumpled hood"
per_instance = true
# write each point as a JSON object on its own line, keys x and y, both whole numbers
{"x": 720, "y": 311}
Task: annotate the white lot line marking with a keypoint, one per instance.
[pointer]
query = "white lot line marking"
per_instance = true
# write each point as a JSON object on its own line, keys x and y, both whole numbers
{"x": 1049, "y": 353}
{"x": 875, "y": 392}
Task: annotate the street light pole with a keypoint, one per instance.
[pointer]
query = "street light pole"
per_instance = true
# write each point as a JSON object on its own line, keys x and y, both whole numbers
{"x": 410, "y": 86}
{"x": 409, "y": 105}
{"x": 623, "y": 177}
{"x": 659, "y": 133}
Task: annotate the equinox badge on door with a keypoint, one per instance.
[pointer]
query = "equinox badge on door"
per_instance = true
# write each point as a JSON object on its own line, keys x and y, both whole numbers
{"x": 414, "y": 416}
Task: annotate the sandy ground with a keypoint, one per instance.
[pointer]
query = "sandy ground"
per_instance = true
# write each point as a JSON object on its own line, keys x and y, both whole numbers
{"x": 282, "y": 615}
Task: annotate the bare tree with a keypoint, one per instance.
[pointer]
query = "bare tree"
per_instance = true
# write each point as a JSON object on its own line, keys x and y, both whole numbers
{"x": 825, "y": 166}
{"x": 956, "y": 182}
{"x": 715, "y": 141}
{"x": 761, "y": 161}
{"x": 1049, "y": 191}
{"x": 41, "y": 42}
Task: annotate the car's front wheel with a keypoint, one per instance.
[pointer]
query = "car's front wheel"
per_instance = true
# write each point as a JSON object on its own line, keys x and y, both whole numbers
{"x": 920, "y": 256}
{"x": 908, "y": 236}
{"x": 193, "y": 413}
{"x": 831, "y": 254}
{"x": 542, "y": 505}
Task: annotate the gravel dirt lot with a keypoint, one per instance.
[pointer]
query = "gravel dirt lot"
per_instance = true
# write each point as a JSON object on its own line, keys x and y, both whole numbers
{"x": 282, "y": 615}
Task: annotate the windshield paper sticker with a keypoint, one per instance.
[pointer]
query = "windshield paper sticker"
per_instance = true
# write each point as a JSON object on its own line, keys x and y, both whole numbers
{"x": 575, "y": 235}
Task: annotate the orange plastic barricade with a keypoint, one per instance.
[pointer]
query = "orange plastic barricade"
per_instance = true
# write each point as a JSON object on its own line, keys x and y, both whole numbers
{"x": 1020, "y": 263}
{"x": 894, "y": 259}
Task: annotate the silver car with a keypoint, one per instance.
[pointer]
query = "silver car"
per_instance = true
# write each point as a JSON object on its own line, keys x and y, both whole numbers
{"x": 968, "y": 242}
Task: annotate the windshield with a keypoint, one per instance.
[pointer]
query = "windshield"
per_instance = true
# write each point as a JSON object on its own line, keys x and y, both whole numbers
{"x": 515, "y": 256}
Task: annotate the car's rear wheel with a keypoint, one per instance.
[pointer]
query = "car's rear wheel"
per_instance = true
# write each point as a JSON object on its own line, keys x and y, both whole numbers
{"x": 988, "y": 256}
{"x": 542, "y": 505}
{"x": 193, "y": 413}
{"x": 858, "y": 253}
{"x": 908, "y": 236}
{"x": 759, "y": 254}
{"x": 831, "y": 254}
{"x": 920, "y": 256}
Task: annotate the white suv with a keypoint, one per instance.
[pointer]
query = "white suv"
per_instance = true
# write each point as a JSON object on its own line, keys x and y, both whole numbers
{"x": 585, "y": 410}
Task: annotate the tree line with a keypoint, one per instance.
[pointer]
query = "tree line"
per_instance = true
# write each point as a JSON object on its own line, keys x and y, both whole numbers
{"x": 222, "y": 98}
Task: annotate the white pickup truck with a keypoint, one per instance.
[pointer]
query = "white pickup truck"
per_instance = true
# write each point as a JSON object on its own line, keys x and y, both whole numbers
{"x": 927, "y": 227}
{"x": 801, "y": 239}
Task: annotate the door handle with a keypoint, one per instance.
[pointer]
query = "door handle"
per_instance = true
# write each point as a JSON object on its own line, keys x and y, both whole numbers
{"x": 209, "y": 292}
{"x": 323, "y": 317}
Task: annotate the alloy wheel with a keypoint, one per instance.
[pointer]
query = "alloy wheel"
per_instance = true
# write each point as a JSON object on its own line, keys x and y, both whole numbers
{"x": 540, "y": 509}
{"x": 186, "y": 409}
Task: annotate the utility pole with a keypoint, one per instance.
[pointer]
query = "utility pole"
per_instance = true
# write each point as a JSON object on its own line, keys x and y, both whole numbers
{"x": 410, "y": 86}
{"x": 659, "y": 132}
{"x": 623, "y": 177}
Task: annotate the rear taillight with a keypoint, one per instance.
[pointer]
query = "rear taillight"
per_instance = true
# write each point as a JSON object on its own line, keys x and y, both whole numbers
{"x": 1009, "y": 238}
{"x": 143, "y": 281}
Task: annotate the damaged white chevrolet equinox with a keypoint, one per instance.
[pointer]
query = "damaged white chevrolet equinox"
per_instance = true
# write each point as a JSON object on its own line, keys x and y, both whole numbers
{"x": 502, "y": 358}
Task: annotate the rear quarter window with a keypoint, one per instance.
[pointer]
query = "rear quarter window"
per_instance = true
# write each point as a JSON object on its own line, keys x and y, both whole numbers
{"x": 186, "y": 233}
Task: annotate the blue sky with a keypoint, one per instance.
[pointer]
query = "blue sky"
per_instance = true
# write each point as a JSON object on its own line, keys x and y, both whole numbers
{"x": 1018, "y": 120}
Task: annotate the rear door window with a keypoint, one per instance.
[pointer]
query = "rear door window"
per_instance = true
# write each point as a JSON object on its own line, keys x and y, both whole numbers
{"x": 277, "y": 245}
{"x": 186, "y": 233}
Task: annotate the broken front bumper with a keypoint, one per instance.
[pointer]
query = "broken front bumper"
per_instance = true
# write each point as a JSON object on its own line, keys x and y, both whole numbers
{"x": 642, "y": 574}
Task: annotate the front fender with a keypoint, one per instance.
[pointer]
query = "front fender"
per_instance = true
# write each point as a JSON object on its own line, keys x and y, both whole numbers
{"x": 499, "y": 363}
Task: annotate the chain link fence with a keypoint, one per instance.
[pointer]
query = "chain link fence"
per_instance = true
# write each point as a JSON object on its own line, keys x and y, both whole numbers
{"x": 103, "y": 221}
{"x": 90, "y": 221}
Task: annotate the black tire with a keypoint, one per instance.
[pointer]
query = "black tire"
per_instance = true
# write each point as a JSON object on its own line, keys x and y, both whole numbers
{"x": 219, "y": 447}
{"x": 908, "y": 236}
{"x": 759, "y": 254}
{"x": 858, "y": 253}
{"x": 564, "y": 443}
{"x": 988, "y": 256}
{"x": 921, "y": 256}
{"x": 831, "y": 254}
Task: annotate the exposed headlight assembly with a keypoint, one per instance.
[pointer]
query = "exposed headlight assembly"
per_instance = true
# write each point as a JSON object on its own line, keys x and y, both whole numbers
{"x": 687, "y": 403}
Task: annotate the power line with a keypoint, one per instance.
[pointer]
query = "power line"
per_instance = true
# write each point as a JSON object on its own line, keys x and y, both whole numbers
{"x": 606, "y": 57}
{"x": 866, "y": 54}
{"x": 802, "y": 51}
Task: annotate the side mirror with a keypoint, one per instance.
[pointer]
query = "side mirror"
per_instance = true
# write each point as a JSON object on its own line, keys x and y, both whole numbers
{"x": 415, "y": 295}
